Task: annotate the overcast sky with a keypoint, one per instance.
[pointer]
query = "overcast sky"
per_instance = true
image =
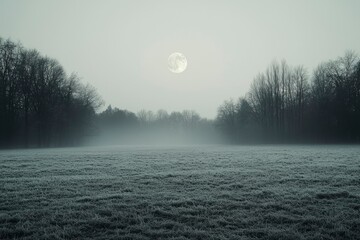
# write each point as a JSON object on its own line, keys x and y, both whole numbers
{"x": 122, "y": 47}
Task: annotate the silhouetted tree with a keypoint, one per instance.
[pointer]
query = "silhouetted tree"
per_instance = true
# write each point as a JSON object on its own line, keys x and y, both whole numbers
{"x": 226, "y": 119}
{"x": 285, "y": 107}
{"x": 39, "y": 104}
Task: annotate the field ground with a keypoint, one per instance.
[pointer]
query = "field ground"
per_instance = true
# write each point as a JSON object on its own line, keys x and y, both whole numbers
{"x": 186, "y": 192}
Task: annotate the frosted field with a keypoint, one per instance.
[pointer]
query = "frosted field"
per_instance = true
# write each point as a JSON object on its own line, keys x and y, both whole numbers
{"x": 188, "y": 192}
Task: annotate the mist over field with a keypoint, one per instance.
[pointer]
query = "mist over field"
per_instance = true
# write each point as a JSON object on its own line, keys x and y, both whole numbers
{"x": 117, "y": 126}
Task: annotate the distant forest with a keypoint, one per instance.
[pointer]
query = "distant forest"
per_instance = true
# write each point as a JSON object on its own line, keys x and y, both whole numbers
{"x": 42, "y": 106}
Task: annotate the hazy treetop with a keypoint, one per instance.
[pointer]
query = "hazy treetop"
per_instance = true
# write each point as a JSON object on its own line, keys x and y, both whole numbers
{"x": 121, "y": 47}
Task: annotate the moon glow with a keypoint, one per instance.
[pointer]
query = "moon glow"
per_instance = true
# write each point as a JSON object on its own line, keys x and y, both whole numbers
{"x": 177, "y": 62}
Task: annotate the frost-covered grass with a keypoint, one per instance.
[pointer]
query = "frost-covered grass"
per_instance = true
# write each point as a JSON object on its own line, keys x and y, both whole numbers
{"x": 188, "y": 192}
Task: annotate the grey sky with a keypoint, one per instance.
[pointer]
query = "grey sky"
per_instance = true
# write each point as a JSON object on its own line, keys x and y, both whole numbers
{"x": 122, "y": 47}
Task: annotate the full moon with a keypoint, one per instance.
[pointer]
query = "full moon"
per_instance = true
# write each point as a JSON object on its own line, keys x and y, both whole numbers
{"x": 177, "y": 62}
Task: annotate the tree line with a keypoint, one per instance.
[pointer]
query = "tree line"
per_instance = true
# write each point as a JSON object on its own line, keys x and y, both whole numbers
{"x": 40, "y": 105}
{"x": 43, "y": 106}
{"x": 286, "y": 104}
{"x": 122, "y": 126}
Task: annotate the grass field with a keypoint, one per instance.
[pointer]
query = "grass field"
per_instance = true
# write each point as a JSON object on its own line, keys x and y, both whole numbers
{"x": 186, "y": 192}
